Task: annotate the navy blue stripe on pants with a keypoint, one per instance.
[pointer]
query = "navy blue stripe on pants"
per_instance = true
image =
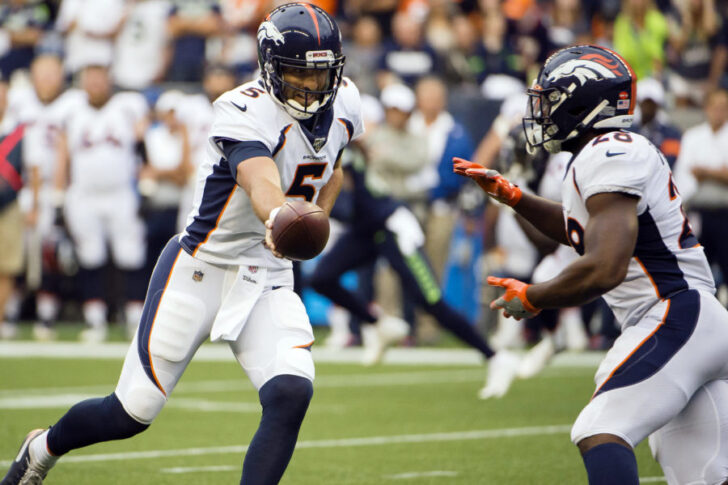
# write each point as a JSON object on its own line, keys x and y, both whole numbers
{"x": 157, "y": 284}
{"x": 657, "y": 350}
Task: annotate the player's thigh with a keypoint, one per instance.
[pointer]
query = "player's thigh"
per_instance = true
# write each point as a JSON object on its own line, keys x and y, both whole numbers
{"x": 126, "y": 232}
{"x": 86, "y": 228}
{"x": 693, "y": 447}
{"x": 276, "y": 339}
{"x": 183, "y": 297}
{"x": 654, "y": 368}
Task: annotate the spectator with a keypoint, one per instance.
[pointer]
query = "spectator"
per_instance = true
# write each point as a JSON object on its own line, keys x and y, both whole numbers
{"x": 141, "y": 50}
{"x": 640, "y": 33}
{"x": 11, "y": 221}
{"x": 497, "y": 54}
{"x": 407, "y": 57}
{"x": 445, "y": 139}
{"x": 701, "y": 174}
{"x": 196, "y": 112}
{"x": 696, "y": 33}
{"x": 89, "y": 27}
{"x": 163, "y": 177}
{"x": 363, "y": 52}
{"x": 239, "y": 45}
{"x": 43, "y": 109}
{"x": 652, "y": 122}
{"x": 381, "y": 10}
{"x": 527, "y": 36}
{"x": 462, "y": 65}
{"x": 566, "y": 23}
{"x": 394, "y": 154}
{"x": 22, "y": 23}
{"x": 101, "y": 206}
{"x": 190, "y": 24}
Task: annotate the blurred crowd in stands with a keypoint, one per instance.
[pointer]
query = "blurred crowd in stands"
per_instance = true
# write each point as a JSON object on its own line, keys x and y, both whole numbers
{"x": 93, "y": 88}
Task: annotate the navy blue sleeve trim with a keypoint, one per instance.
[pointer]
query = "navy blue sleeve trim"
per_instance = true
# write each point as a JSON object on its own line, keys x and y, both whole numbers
{"x": 238, "y": 151}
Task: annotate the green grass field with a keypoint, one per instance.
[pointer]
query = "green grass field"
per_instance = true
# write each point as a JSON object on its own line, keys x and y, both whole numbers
{"x": 416, "y": 424}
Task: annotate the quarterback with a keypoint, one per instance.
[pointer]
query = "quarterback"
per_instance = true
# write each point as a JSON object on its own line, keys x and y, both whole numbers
{"x": 666, "y": 376}
{"x": 277, "y": 137}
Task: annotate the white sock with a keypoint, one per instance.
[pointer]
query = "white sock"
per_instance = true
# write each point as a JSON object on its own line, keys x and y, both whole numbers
{"x": 47, "y": 307}
{"x": 133, "y": 313}
{"x": 94, "y": 312}
{"x": 12, "y": 306}
{"x": 39, "y": 451}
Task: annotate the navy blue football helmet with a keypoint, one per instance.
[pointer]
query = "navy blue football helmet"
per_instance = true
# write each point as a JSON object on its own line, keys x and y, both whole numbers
{"x": 578, "y": 88}
{"x": 302, "y": 37}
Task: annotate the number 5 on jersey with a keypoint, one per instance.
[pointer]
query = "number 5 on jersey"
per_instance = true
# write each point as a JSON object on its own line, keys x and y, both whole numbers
{"x": 299, "y": 187}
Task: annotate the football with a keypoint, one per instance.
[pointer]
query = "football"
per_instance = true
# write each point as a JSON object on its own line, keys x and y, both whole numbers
{"x": 300, "y": 230}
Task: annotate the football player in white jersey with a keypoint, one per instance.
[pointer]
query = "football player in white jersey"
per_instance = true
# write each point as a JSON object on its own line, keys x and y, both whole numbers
{"x": 276, "y": 138}
{"x": 98, "y": 170}
{"x": 667, "y": 374}
{"x": 43, "y": 109}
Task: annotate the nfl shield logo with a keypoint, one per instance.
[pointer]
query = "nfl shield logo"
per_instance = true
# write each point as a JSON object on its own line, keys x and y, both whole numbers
{"x": 198, "y": 275}
{"x": 318, "y": 143}
{"x": 253, "y": 269}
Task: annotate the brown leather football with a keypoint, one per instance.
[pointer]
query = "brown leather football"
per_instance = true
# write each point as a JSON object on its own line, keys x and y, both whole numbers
{"x": 300, "y": 230}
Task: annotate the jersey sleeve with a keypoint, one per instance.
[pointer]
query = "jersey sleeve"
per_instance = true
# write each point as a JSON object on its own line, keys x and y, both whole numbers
{"x": 236, "y": 121}
{"x": 352, "y": 107}
{"x": 612, "y": 166}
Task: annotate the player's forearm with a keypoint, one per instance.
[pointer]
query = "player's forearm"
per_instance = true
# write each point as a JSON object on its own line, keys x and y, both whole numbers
{"x": 545, "y": 215}
{"x": 260, "y": 179}
{"x": 584, "y": 280}
{"x": 265, "y": 197}
{"x": 330, "y": 191}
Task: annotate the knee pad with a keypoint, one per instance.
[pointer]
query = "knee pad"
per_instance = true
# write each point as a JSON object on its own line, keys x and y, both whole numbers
{"x": 175, "y": 326}
{"x": 140, "y": 398}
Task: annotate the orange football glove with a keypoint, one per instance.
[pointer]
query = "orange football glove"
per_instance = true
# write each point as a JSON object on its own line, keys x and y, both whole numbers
{"x": 513, "y": 302}
{"x": 490, "y": 181}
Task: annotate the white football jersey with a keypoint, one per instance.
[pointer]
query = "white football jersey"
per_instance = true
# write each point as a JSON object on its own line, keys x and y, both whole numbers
{"x": 222, "y": 227}
{"x": 667, "y": 257}
{"x": 44, "y": 122}
{"x": 101, "y": 143}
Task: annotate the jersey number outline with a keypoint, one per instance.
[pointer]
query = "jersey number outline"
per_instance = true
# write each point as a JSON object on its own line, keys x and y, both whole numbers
{"x": 622, "y": 136}
{"x": 252, "y": 92}
{"x": 298, "y": 187}
{"x": 575, "y": 235}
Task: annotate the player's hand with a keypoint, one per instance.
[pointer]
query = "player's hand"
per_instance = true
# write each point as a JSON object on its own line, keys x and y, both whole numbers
{"x": 514, "y": 301}
{"x": 490, "y": 181}
{"x": 268, "y": 242}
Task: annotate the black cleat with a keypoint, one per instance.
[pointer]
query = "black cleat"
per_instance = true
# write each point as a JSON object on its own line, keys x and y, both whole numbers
{"x": 22, "y": 472}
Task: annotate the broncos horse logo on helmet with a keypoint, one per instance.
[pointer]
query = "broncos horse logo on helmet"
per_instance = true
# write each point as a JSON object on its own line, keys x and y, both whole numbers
{"x": 304, "y": 37}
{"x": 578, "y": 89}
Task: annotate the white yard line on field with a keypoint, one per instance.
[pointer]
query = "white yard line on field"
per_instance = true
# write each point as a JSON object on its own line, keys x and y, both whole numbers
{"x": 210, "y": 352}
{"x": 434, "y": 473}
{"x": 40, "y": 397}
{"x": 197, "y": 469}
{"x": 331, "y": 443}
{"x": 653, "y": 480}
